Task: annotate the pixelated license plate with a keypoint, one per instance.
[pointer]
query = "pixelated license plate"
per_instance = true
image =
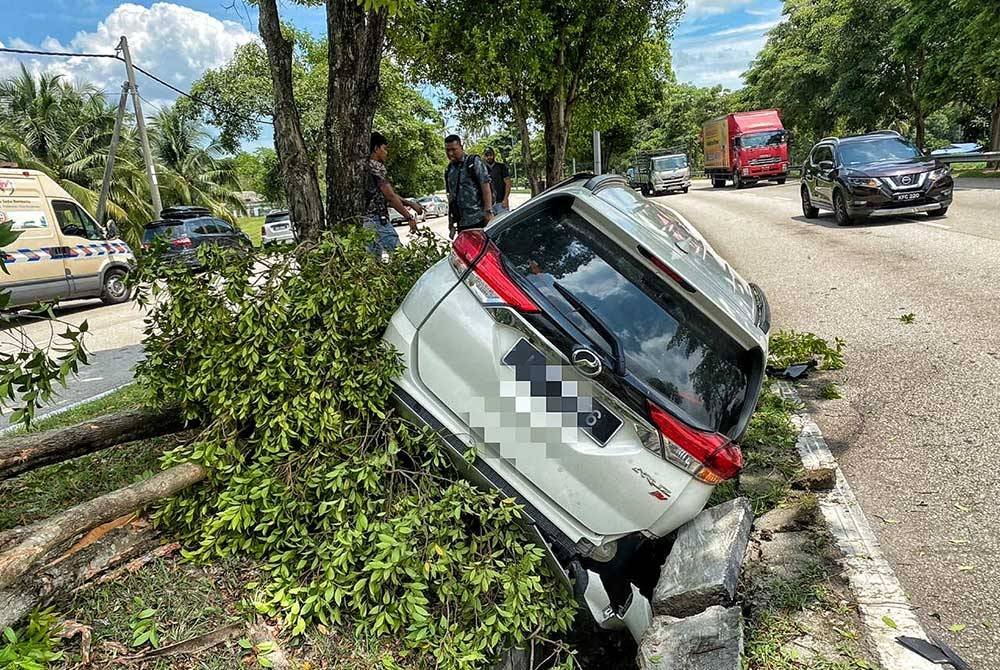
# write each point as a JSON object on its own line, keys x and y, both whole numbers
{"x": 592, "y": 416}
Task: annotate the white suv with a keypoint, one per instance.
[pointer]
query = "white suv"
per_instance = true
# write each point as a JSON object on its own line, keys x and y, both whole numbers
{"x": 602, "y": 360}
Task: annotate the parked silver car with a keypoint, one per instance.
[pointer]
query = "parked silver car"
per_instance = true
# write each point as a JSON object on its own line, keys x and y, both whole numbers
{"x": 434, "y": 206}
{"x": 602, "y": 360}
{"x": 277, "y": 229}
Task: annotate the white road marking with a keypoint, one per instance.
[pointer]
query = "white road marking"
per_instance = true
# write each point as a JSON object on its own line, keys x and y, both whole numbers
{"x": 872, "y": 579}
{"x": 92, "y": 379}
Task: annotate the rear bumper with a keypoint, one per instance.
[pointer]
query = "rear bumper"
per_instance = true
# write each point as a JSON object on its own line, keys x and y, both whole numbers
{"x": 280, "y": 237}
{"x": 633, "y": 612}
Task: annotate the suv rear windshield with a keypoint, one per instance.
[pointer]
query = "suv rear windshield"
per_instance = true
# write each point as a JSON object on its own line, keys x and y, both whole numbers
{"x": 276, "y": 216}
{"x": 874, "y": 151}
{"x": 668, "y": 343}
{"x": 168, "y": 229}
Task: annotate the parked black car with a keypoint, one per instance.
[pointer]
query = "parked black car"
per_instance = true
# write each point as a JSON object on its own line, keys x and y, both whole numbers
{"x": 874, "y": 175}
{"x": 187, "y": 228}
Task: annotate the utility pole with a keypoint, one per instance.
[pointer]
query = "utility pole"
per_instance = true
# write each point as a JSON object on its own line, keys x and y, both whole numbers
{"x": 597, "y": 152}
{"x": 109, "y": 166}
{"x": 140, "y": 124}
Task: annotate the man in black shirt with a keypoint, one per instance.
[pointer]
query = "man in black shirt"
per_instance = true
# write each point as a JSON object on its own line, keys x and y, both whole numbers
{"x": 470, "y": 198}
{"x": 500, "y": 178}
{"x": 379, "y": 196}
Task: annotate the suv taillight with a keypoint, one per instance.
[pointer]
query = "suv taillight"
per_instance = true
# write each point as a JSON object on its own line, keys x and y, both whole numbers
{"x": 181, "y": 243}
{"x": 711, "y": 457}
{"x": 488, "y": 281}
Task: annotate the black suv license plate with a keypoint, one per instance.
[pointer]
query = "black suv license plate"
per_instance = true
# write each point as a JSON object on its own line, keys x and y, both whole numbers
{"x": 908, "y": 196}
{"x": 592, "y": 416}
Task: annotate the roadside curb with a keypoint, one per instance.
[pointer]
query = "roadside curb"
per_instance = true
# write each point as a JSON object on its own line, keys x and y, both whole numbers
{"x": 872, "y": 580}
{"x": 72, "y": 405}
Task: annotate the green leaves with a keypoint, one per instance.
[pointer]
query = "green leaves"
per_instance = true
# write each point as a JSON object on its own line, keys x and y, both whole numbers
{"x": 143, "y": 626}
{"x": 355, "y": 516}
{"x": 34, "y": 646}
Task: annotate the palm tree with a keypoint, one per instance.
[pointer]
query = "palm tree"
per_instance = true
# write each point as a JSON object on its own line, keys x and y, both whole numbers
{"x": 192, "y": 169}
{"x": 64, "y": 130}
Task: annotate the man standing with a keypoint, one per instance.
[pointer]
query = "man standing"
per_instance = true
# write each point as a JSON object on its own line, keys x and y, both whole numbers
{"x": 379, "y": 194}
{"x": 500, "y": 179}
{"x": 470, "y": 198}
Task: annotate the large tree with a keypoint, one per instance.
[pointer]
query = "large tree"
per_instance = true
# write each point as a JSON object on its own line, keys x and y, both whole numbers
{"x": 297, "y": 168}
{"x": 537, "y": 61}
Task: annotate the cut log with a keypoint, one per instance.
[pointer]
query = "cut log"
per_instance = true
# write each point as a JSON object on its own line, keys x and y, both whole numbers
{"x": 81, "y": 564}
{"x": 34, "y": 542}
{"x": 27, "y": 452}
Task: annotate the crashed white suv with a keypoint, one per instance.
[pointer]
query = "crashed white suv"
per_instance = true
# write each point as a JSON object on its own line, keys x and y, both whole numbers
{"x": 602, "y": 360}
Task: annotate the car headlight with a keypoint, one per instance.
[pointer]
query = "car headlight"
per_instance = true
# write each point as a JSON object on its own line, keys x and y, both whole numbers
{"x": 863, "y": 181}
{"x": 940, "y": 172}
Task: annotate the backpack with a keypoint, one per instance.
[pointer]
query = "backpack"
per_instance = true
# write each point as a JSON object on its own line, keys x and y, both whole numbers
{"x": 470, "y": 170}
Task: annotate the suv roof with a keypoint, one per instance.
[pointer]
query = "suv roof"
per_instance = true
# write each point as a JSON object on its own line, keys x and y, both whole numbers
{"x": 860, "y": 138}
{"x": 185, "y": 212}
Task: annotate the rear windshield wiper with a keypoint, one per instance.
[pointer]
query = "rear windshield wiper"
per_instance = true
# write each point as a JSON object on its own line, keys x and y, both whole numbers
{"x": 618, "y": 353}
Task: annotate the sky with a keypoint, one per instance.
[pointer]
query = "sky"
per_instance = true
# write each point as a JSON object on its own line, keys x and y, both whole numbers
{"x": 179, "y": 40}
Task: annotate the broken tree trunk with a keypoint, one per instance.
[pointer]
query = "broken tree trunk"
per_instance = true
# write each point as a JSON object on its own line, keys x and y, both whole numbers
{"x": 27, "y": 452}
{"x": 79, "y": 565}
{"x": 26, "y": 547}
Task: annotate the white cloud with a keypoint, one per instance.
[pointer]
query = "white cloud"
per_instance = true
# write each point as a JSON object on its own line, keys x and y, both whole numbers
{"x": 707, "y": 62}
{"x": 176, "y": 43}
{"x": 759, "y": 28}
{"x": 698, "y": 8}
{"x": 763, "y": 12}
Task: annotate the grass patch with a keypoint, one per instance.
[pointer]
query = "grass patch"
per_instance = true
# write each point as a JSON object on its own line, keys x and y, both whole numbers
{"x": 251, "y": 226}
{"x": 908, "y": 318}
{"x": 186, "y": 601}
{"x": 128, "y": 397}
{"x": 973, "y": 170}
{"x": 41, "y": 493}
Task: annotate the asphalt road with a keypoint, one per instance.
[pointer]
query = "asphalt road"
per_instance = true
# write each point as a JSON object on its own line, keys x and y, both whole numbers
{"x": 114, "y": 336}
{"x": 917, "y": 432}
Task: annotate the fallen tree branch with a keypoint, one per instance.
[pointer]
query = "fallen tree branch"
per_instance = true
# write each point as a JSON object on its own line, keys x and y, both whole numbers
{"x": 134, "y": 565}
{"x": 262, "y": 634}
{"x": 23, "y": 453}
{"x": 43, "y": 537}
{"x": 79, "y": 565}
{"x": 194, "y": 645}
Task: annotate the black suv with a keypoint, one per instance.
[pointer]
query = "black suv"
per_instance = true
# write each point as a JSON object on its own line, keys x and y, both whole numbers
{"x": 187, "y": 228}
{"x": 874, "y": 175}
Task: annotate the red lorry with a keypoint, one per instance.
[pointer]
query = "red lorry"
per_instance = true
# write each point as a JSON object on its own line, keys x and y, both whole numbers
{"x": 745, "y": 147}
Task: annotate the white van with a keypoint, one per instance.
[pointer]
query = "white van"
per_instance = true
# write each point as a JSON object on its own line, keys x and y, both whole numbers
{"x": 61, "y": 252}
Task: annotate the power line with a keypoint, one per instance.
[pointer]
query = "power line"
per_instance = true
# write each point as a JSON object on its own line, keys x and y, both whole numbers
{"x": 57, "y": 53}
{"x": 173, "y": 88}
{"x": 149, "y": 74}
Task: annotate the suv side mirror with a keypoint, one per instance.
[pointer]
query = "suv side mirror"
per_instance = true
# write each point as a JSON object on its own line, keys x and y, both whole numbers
{"x": 111, "y": 229}
{"x": 825, "y": 166}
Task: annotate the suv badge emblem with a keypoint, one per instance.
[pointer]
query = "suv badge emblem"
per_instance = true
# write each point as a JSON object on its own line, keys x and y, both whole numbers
{"x": 587, "y": 362}
{"x": 907, "y": 179}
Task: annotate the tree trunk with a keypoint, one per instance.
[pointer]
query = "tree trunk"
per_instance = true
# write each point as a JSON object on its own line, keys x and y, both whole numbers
{"x": 21, "y": 454}
{"x": 305, "y": 202}
{"x": 356, "y": 40}
{"x": 72, "y": 570}
{"x": 521, "y": 118}
{"x": 557, "y": 119}
{"x": 995, "y": 133}
{"x": 32, "y": 543}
